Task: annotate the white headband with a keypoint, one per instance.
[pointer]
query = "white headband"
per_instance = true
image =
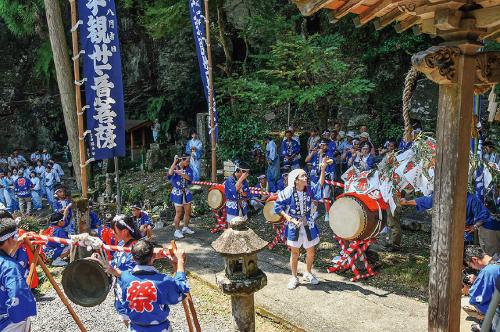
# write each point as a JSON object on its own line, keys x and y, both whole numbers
{"x": 8, "y": 236}
{"x": 119, "y": 220}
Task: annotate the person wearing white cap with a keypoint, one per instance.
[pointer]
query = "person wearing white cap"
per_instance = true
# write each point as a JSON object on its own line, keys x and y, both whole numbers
{"x": 294, "y": 205}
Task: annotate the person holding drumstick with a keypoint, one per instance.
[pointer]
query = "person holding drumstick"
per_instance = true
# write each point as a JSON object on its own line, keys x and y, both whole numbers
{"x": 180, "y": 176}
{"x": 237, "y": 192}
{"x": 294, "y": 205}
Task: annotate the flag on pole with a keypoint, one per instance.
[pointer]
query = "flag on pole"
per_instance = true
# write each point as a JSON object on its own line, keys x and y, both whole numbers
{"x": 479, "y": 180}
{"x": 103, "y": 78}
{"x": 198, "y": 21}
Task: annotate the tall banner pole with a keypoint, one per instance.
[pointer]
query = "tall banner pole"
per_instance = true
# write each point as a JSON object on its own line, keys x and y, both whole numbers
{"x": 210, "y": 95}
{"x": 79, "y": 111}
{"x": 118, "y": 196}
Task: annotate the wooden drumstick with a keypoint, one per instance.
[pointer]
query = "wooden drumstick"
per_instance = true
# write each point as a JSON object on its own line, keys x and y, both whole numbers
{"x": 188, "y": 299}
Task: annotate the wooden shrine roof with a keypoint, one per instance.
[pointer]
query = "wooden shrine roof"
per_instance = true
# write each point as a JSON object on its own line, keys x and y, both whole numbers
{"x": 447, "y": 18}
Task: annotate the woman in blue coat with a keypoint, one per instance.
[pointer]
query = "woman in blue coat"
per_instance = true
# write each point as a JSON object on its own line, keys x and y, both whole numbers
{"x": 294, "y": 205}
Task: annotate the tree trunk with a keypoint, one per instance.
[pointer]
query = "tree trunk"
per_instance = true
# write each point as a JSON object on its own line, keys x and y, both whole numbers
{"x": 225, "y": 42}
{"x": 65, "y": 80}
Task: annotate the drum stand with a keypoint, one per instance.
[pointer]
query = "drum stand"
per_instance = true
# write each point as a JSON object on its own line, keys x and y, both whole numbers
{"x": 220, "y": 215}
{"x": 355, "y": 251}
{"x": 279, "y": 229}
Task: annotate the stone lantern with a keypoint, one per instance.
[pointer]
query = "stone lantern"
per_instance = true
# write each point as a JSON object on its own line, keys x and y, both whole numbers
{"x": 242, "y": 277}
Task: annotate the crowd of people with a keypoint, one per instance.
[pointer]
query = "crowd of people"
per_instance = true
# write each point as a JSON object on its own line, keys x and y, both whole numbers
{"x": 300, "y": 192}
{"x": 24, "y": 183}
{"x": 329, "y": 155}
{"x": 142, "y": 293}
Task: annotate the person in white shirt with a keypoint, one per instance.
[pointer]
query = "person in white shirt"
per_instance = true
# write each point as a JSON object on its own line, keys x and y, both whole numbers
{"x": 490, "y": 155}
{"x": 45, "y": 157}
{"x": 313, "y": 140}
{"x": 57, "y": 168}
{"x": 36, "y": 194}
{"x": 51, "y": 179}
{"x": 35, "y": 156}
{"x": 13, "y": 161}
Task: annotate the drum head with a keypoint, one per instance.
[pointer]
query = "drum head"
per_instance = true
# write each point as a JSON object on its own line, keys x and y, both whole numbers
{"x": 85, "y": 282}
{"x": 215, "y": 198}
{"x": 269, "y": 214}
{"x": 347, "y": 218}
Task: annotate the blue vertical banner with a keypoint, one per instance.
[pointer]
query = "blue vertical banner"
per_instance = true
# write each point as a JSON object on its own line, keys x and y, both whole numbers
{"x": 479, "y": 185}
{"x": 198, "y": 21}
{"x": 103, "y": 78}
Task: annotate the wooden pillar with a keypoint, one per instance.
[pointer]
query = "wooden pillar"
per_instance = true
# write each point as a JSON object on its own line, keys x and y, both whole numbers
{"x": 132, "y": 145}
{"x": 453, "y": 69}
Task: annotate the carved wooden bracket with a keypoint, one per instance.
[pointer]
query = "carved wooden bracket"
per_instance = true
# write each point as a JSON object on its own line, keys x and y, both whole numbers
{"x": 488, "y": 67}
{"x": 438, "y": 63}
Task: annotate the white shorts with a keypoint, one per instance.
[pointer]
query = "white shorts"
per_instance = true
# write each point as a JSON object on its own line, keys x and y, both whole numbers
{"x": 303, "y": 241}
{"x": 183, "y": 202}
{"x": 23, "y": 326}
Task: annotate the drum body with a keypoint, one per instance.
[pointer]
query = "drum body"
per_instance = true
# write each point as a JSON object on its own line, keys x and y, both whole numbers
{"x": 351, "y": 219}
{"x": 216, "y": 197}
{"x": 268, "y": 210}
{"x": 85, "y": 282}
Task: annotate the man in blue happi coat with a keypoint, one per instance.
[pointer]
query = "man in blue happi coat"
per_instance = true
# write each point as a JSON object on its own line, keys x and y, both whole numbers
{"x": 273, "y": 164}
{"x": 57, "y": 251}
{"x": 477, "y": 217}
{"x": 17, "y": 303}
{"x": 237, "y": 192}
{"x": 142, "y": 220}
{"x": 61, "y": 203}
{"x": 22, "y": 188}
{"x": 483, "y": 285}
{"x": 146, "y": 294}
{"x": 290, "y": 151}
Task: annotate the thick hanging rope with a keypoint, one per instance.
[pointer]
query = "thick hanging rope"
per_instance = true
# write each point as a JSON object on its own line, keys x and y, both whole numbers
{"x": 410, "y": 81}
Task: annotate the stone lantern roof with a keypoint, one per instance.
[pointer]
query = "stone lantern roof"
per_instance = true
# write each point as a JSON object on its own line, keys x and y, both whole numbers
{"x": 238, "y": 240}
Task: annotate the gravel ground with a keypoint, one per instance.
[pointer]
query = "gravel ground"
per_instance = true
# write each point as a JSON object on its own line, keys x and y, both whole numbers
{"x": 213, "y": 309}
{"x": 53, "y": 316}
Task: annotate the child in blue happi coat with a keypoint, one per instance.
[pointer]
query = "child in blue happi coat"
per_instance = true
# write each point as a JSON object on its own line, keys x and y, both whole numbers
{"x": 315, "y": 157}
{"x": 22, "y": 188}
{"x": 17, "y": 303}
{"x": 290, "y": 151}
{"x": 127, "y": 233}
{"x": 283, "y": 182}
{"x": 294, "y": 205}
{"x": 57, "y": 251}
{"x": 237, "y": 192}
{"x": 180, "y": 176}
{"x": 146, "y": 293}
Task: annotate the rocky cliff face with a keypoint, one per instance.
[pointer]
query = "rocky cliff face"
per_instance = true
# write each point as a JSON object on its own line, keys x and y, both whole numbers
{"x": 30, "y": 111}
